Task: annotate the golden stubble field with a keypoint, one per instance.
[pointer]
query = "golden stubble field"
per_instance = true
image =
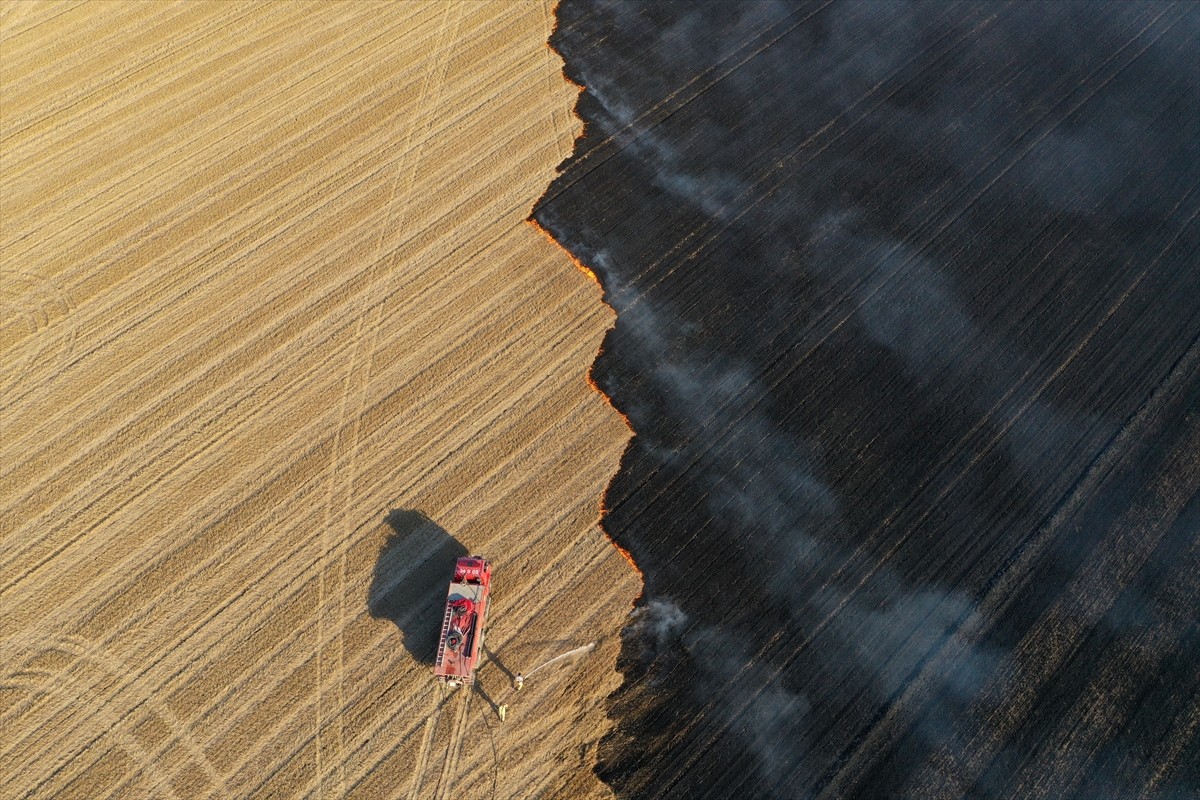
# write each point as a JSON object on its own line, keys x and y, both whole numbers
{"x": 278, "y": 345}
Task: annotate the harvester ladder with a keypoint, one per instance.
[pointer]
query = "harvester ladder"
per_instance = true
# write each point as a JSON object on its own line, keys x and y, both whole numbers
{"x": 441, "y": 651}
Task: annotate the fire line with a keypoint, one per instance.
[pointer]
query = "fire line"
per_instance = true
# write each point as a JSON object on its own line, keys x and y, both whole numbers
{"x": 592, "y": 276}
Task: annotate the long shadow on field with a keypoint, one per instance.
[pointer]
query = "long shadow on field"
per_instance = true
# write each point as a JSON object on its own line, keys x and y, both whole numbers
{"x": 409, "y": 586}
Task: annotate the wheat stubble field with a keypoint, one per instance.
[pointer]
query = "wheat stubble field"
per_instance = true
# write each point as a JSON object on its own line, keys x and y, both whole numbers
{"x": 278, "y": 345}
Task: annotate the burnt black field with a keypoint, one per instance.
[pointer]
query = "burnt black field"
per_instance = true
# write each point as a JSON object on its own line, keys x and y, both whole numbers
{"x": 907, "y": 331}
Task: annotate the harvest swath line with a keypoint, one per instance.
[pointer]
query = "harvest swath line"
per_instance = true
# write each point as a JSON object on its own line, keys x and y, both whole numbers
{"x": 593, "y": 151}
{"x": 1005, "y": 586}
{"x": 201, "y": 35}
{"x": 203, "y": 443}
{"x": 375, "y": 114}
{"x": 777, "y": 168}
{"x": 534, "y": 516}
{"x": 576, "y": 567}
{"x": 30, "y": 148}
{"x": 11, "y": 12}
{"x": 848, "y": 315}
{"x": 468, "y": 200}
{"x": 579, "y": 567}
{"x": 372, "y": 737}
{"x": 343, "y": 464}
{"x": 148, "y": 157}
{"x": 283, "y": 293}
{"x": 20, "y": 47}
{"x": 359, "y": 277}
{"x": 1116, "y": 683}
{"x": 1181, "y": 736}
{"x": 369, "y": 650}
{"x": 755, "y": 200}
{"x": 426, "y": 742}
{"x": 70, "y": 53}
{"x": 199, "y": 570}
{"x": 81, "y": 214}
{"x": 83, "y": 653}
{"x": 136, "y": 580}
{"x": 1036, "y": 660}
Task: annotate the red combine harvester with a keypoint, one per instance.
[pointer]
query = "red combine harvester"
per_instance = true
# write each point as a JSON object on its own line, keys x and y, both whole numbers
{"x": 463, "y": 623}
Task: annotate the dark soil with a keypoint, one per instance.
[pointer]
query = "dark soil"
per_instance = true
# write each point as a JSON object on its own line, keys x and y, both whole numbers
{"x": 907, "y": 330}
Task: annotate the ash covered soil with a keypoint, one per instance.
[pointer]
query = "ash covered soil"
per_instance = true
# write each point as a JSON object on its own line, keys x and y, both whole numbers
{"x": 907, "y": 329}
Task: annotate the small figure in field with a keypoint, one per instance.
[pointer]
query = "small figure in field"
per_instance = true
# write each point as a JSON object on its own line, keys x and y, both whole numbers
{"x": 503, "y": 710}
{"x": 519, "y": 681}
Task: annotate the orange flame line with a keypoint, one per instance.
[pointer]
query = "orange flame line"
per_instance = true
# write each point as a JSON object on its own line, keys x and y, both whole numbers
{"x": 592, "y": 276}
{"x": 591, "y": 381}
{"x": 579, "y": 265}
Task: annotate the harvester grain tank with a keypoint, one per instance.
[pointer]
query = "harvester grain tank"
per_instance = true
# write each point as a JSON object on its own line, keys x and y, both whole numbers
{"x": 464, "y": 621}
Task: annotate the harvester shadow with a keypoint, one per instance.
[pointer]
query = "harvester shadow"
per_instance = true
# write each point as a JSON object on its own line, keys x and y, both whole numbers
{"x": 411, "y": 573}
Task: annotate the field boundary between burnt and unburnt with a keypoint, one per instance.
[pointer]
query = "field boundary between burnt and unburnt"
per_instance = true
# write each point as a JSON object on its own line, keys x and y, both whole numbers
{"x": 593, "y": 276}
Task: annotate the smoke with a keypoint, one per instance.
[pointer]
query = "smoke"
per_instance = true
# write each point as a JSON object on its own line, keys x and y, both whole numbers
{"x": 761, "y": 481}
{"x": 713, "y": 191}
{"x": 907, "y": 303}
{"x": 1009, "y": 85}
{"x": 767, "y": 717}
{"x": 659, "y": 624}
{"x": 908, "y": 624}
{"x": 751, "y": 467}
{"x": 847, "y": 266}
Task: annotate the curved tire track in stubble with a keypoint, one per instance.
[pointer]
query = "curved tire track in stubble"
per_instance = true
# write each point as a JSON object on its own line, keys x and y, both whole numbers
{"x": 86, "y": 669}
{"x": 531, "y": 451}
{"x": 39, "y": 330}
{"x": 209, "y": 624}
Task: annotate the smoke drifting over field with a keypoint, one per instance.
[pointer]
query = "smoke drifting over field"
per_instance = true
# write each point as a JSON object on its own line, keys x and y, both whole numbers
{"x": 907, "y": 334}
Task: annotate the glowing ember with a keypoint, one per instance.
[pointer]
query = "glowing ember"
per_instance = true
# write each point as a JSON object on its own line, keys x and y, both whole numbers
{"x": 592, "y": 383}
{"x": 625, "y": 554}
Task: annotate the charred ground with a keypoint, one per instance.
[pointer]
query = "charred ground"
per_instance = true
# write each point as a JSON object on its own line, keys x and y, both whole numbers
{"x": 908, "y": 335}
